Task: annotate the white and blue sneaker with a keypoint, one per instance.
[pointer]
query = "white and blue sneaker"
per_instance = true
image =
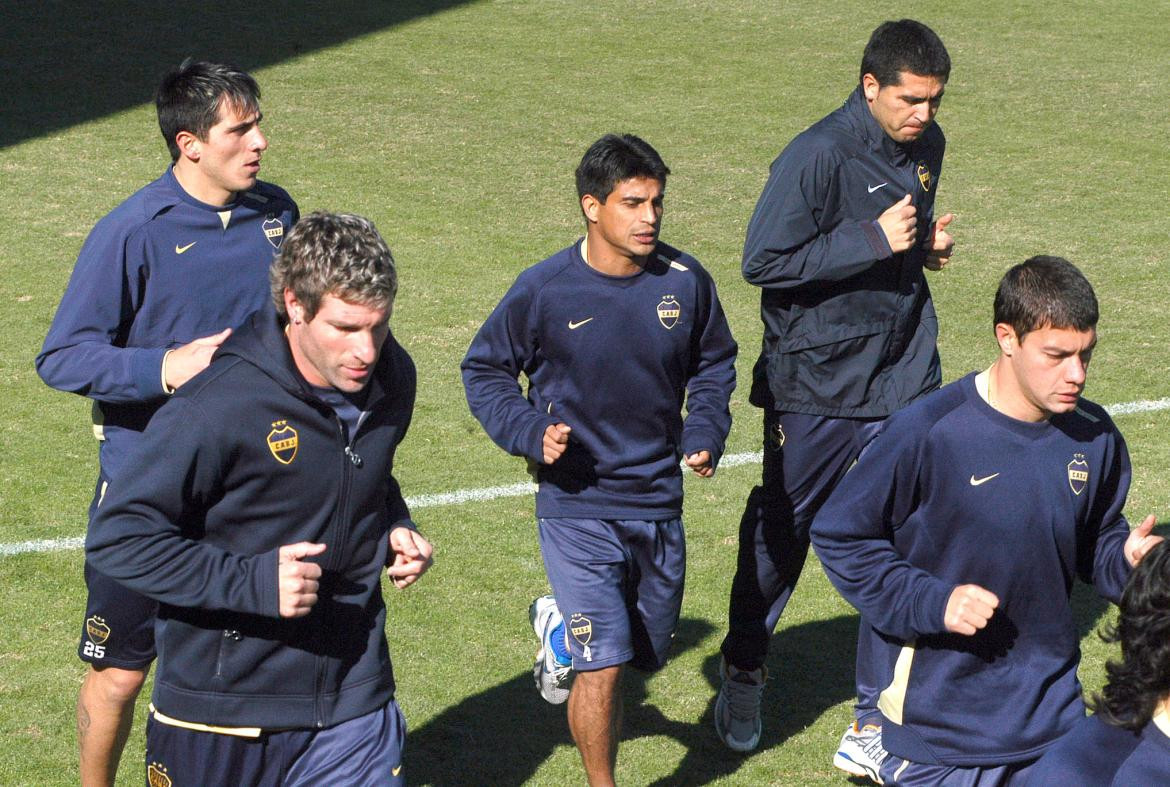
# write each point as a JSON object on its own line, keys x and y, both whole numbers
{"x": 552, "y": 678}
{"x": 861, "y": 752}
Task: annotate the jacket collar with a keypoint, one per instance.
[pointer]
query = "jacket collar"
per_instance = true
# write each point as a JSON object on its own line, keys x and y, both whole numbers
{"x": 871, "y": 131}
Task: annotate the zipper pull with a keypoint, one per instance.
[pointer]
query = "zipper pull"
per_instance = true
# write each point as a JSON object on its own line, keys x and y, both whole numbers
{"x": 353, "y": 457}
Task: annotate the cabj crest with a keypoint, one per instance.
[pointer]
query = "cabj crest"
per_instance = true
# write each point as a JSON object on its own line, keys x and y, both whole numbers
{"x": 283, "y": 442}
{"x": 669, "y": 310}
{"x": 924, "y": 177}
{"x": 1078, "y": 473}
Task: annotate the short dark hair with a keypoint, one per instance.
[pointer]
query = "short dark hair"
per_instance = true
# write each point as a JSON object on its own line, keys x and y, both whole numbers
{"x": 1141, "y": 678}
{"x": 1045, "y": 292}
{"x": 336, "y": 254}
{"x": 614, "y": 158}
{"x": 188, "y": 98}
{"x": 905, "y": 45}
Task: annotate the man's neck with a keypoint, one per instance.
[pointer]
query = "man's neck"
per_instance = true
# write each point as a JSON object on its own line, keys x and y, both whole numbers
{"x": 192, "y": 181}
{"x": 603, "y": 258}
{"x": 1004, "y": 395}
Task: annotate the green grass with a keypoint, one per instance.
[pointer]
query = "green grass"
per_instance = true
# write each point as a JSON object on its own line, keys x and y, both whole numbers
{"x": 457, "y": 133}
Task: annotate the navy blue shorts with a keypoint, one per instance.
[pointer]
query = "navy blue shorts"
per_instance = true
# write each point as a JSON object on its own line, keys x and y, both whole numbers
{"x": 897, "y": 771}
{"x": 362, "y": 751}
{"x": 619, "y": 586}
{"x": 119, "y": 624}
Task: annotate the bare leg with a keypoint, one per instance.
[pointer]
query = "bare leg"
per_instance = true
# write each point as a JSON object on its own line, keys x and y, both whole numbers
{"x": 595, "y": 719}
{"x": 105, "y": 713}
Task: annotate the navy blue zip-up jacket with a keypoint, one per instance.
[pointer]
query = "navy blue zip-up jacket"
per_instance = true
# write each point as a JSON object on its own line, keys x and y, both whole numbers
{"x": 612, "y": 357}
{"x": 244, "y": 459}
{"x": 159, "y": 271}
{"x": 849, "y": 326}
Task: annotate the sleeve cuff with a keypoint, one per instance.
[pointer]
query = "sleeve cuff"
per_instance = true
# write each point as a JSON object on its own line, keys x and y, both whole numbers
{"x": 146, "y": 368}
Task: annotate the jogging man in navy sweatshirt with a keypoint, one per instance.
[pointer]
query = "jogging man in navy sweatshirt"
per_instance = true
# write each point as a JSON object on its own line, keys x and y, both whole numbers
{"x": 158, "y": 286}
{"x": 614, "y": 333}
{"x": 961, "y": 529}
{"x": 260, "y": 509}
{"x": 837, "y": 245}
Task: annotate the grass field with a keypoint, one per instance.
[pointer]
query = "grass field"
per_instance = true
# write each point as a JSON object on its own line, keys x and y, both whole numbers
{"x": 456, "y": 127}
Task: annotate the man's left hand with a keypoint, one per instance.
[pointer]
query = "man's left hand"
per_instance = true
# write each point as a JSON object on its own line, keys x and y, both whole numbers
{"x": 700, "y": 462}
{"x": 1140, "y": 541}
{"x": 942, "y": 244}
{"x": 412, "y": 556}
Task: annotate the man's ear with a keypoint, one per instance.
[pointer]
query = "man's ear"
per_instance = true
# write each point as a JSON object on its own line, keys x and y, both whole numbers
{"x": 190, "y": 147}
{"x": 590, "y": 205}
{"x": 1005, "y": 336}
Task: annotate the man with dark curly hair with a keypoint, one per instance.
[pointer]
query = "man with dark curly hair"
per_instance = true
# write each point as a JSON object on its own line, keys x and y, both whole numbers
{"x": 1128, "y": 741}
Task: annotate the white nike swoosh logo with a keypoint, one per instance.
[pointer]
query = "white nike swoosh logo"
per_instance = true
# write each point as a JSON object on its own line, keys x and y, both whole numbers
{"x": 977, "y": 481}
{"x": 396, "y": 770}
{"x": 575, "y": 325}
{"x": 872, "y": 189}
{"x": 180, "y": 249}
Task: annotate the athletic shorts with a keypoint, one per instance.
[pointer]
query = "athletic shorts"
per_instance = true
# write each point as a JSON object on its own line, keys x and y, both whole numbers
{"x": 619, "y": 586}
{"x": 896, "y": 771}
{"x": 359, "y": 752}
{"x": 119, "y": 624}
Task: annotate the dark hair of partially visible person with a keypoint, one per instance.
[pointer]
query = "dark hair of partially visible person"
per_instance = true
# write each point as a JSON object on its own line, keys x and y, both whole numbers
{"x": 1140, "y": 679}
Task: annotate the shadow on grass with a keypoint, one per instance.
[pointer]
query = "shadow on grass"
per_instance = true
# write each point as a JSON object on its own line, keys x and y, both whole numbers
{"x": 503, "y": 735}
{"x": 64, "y": 63}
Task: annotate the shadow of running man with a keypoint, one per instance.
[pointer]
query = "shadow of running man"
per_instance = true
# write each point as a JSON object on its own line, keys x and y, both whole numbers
{"x": 503, "y": 735}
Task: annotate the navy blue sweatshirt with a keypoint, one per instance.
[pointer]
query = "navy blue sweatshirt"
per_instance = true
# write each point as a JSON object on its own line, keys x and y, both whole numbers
{"x": 849, "y": 326}
{"x": 612, "y": 357}
{"x": 953, "y": 492}
{"x": 160, "y": 270}
{"x": 245, "y": 459}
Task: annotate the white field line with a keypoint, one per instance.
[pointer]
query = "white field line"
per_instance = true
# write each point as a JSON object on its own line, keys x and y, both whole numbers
{"x": 485, "y": 494}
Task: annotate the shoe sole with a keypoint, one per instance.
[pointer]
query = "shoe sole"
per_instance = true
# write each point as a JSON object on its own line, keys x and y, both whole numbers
{"x": 842, "y": 762}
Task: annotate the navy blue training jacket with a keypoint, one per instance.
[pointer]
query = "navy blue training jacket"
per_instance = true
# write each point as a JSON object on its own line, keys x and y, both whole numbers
{"x": 242, "y": 460}
{"x": 849, "y": 327}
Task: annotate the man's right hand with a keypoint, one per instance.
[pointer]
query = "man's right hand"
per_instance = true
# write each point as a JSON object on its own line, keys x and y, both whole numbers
{"x": 968, "y": 609}
{"x": 556, "y": 441}
{"x": 296, "y": 579}
{"x": 899, "y": 223}
{"x": 183, "y": 363}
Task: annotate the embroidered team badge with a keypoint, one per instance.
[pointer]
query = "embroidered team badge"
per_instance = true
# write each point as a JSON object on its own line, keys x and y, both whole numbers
{"x": 668, "y": 311}
{"x": 1078, "y": 473}
{"x": 581, "y": 628}
{"x": 97, "y": 630}
{"x": 156, "y": 775}
{"x": 282, "y": 442}
{"x": 924, "y": 176}
{"x": 274, "y": 230}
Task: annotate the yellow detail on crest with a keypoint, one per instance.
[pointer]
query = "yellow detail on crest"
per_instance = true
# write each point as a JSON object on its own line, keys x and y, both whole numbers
{"x": 924, "y": 177}
{"x": 156, "y": 775}
{"x": 282, "y": 442}
{"x": 669, "y": 310}
{"x": 97, "y": 630}
{"x": 1078, "y": 473}
{"x": 581, "y": 628}
{"x": 274, "y": 231}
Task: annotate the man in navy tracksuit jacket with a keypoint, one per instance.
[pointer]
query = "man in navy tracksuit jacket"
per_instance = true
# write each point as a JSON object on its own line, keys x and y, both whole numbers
{"x": 259, "y": 508}
{"x": 837, "y": 243}
{"x": 613, "y": 334}
{"x": 157, "y": 286}
{"x": 960, "y": 531}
